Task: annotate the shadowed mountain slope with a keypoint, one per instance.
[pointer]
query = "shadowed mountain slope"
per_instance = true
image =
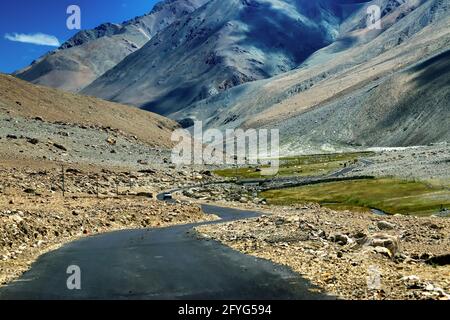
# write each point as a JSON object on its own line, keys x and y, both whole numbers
{"x": 219, "y": 46}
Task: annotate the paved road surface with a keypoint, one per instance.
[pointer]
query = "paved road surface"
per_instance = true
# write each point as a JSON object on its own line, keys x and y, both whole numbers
{"x": 167, "y": 263}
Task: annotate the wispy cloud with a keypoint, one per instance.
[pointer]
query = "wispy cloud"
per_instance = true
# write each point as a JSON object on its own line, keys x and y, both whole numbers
{"x": 36, "y": 38}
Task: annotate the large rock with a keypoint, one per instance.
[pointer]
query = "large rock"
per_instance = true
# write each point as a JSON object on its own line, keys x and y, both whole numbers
{"x": 391, "y": 243}
{"x": 384, "y": 225}
{"x": 341, "y": 239}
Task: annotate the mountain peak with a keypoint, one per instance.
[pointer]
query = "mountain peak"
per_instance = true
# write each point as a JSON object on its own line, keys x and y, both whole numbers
{"x": 90, "y": 53}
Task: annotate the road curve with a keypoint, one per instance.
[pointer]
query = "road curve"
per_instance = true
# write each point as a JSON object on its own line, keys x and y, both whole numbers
{"x": 159, "y": 264}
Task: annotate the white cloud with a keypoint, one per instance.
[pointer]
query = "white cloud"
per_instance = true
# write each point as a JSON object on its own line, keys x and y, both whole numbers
{"x": 36, "y": 38}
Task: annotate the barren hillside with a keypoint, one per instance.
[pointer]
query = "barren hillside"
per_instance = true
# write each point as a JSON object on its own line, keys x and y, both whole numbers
{"x": 20, "y": 98}
{"x": 358, "y": 91}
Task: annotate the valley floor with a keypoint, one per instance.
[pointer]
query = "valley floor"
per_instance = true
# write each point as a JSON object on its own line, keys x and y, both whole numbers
{"x": 357, "y": 253}
{"x": 110, "y": 180}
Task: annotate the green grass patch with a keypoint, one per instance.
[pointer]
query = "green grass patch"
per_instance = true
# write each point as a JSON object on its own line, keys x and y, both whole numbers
{"x": 389, "y": 195}
{"x": 304, "y": 166}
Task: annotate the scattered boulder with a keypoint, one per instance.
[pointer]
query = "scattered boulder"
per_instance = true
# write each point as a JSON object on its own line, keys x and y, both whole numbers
{"x": 384, "y": 240}
{"x": 280, "y": 222}
{"x": 412, "y": 282}
{"x": 384, "y": 225}
{"x": 11, "y": 136}
{"x": 341, "y": 239}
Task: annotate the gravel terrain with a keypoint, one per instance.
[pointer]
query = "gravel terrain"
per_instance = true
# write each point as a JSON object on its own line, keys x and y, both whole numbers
{"x": 348, "y": 254}
{"x": 420, "y": 163}
{"x": 38, "y": 140}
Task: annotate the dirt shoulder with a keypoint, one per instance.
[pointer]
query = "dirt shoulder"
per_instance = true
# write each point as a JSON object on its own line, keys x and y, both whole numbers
{"x": 348, "y": 254}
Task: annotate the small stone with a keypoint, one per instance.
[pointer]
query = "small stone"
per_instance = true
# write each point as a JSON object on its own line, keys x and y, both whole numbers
{"x": 383, "y": 251}
{"x": 341, "y": 239}
{"x": 429, "y": 287}
{"x": 16, "y": 218}
{"x": 30, "y": 191}
{"x": 60, "y": 146}
{"x": 33, "y": 141}
{"x": 243, "y": 200}
{"x": 111, "y": 141}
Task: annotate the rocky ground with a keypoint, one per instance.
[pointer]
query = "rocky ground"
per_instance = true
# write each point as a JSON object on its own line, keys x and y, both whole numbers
{"x": 418, "y": 163}
{"x": 347, "y": 254}
{"x": 72, "y": 143}
{"x": 353, "y": 255}
{"x": 224, "y": 193}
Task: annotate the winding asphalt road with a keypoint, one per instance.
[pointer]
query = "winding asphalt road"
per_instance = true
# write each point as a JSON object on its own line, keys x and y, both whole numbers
{"x": 159, "y": 264}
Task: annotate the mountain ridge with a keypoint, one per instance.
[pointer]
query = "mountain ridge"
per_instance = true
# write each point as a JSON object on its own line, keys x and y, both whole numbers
{"x": 219, "y": 46}
{"x": 90, "y": 53}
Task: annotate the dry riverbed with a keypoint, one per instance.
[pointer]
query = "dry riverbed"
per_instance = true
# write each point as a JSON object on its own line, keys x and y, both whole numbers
{"x": 348, "y": 254}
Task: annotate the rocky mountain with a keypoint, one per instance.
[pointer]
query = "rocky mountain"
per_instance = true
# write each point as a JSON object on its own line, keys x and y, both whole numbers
{"x": 311, "y": 68}
{"x": 219, "y": 46}
{"x": 90, "y": 53}
{"x": 367, "y": 88}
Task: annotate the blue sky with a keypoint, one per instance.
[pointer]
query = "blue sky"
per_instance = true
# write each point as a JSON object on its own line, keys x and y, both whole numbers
{"x": 24, "y": 19}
